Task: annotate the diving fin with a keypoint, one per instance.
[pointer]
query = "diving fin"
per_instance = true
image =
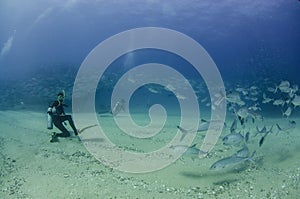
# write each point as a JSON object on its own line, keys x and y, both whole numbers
{"x": 53, "y": 137}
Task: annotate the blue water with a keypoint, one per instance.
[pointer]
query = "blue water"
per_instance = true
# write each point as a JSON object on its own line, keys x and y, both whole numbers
{"x": 239, "y": 36}
{"x": 45, "y": 43}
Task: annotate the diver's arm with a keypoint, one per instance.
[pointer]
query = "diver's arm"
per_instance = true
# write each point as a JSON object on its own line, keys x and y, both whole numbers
{"x": 63, "y": 110}
{"x": 54, "y": 104}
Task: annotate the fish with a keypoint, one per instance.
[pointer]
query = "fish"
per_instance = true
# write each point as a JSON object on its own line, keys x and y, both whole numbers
{"x": 262, "y": 131}
{"x": 230, "y": 161}
{"x": 243, "y": 152}
{"x": 235, "y": 98}
{"x": 253, "y": 87}
{"x": 245, "y": 92}
{"x": 262, "y": 139}
{"x": 294, "y": 89}
{"x": 247, "y": 135}
{"x": 291, "y": 125}
{"x": 204, "y": 99}
{"x": 233, "y": 126}
{"x": 184, "y": 148}
{"x": 254, "y": 99}
{"x": 181, "y": 97}
{"x": 204, "y": 125}
{"x": 242, "y": 90}
{"x": 254, "y": 107}
{"x": 296, "y": 100}
{"x": 284, "y": 87}
{"x": 234, "y": 139}
{"x": 272, "y": 90}
{"x": 191, "y": 151}
{"x": 119, "y": 106}
{"x": 169, "y": 87}
{"x": 279, "y": 102}
{"x": 292, "y": 95}
{"x": 266, "y": 99}
{"x": 243, "y": 114}
{"x": 185, "y": 132}
{"x": 254, "y": 93}
{"x": 152, "y": 90}
{"x": 288, "y": 112}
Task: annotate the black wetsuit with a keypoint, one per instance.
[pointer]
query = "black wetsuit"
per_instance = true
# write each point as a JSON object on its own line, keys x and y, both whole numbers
{"x": 59, "y": 116}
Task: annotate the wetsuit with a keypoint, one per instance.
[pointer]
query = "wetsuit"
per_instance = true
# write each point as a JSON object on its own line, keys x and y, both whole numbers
{"x": 59, "y": 116}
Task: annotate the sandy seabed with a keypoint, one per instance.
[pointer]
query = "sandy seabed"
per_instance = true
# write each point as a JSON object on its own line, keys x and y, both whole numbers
{"x": 32, "y": 167}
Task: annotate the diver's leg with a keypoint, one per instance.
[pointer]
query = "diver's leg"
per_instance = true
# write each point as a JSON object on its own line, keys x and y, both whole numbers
{"x": 58, "y": 122}
{"x": 62, "y": 128}
{"x": 71, "y": 122}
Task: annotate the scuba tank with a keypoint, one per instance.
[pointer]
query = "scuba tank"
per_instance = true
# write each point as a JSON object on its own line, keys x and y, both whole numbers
{"x": 52, "y": 110}
{"x": 49, "y": 119}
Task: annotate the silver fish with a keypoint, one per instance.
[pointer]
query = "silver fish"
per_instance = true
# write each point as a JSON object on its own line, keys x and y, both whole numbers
{"x": 261, "y": 141}
{"x": 204, "y": 99}
{"x": 190, "y": 151}
{"x": 296, "y": 100}
{"x": 288, "y": 112}
{"x": 230, "y": 161}
{"x": 243, "y": 152}
{"x": 153, "y": 90}
{"x": 266, "y": 99}
{"x": 239, "y": 89}
{"x": 272, "y": 90}
{"x": 119, "y": 106}
{"x": 279, "y": 102}
{"x": 254, "y": 93}
{"x": 234, "y": 97}
{"x": 242, "y": 90}
{"x": 254, "y": 99}
{"x": 234, "y": 139}
{"x": 291, "y": 125}
{"x": 184, "y": 148}
{"x": 243, "y": 114}
{"x": 233, "y": 126}
{"x": 245, "y": 92}
{"x": 255, "y": 107}
{"x": 294, "y": 89}
{"x": 185, "y": 132}
{"x": 202, "y": 127}
{"x": 284, "y": 86}
{"x": 262, "y": 131}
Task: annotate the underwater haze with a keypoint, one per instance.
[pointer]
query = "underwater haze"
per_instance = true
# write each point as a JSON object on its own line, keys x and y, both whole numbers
{"x": 44, "y": 40}
{"x": 255, "y": 45}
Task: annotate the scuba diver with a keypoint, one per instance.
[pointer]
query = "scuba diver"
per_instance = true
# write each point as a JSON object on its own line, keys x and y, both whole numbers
{"x": 58, "y": 116}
